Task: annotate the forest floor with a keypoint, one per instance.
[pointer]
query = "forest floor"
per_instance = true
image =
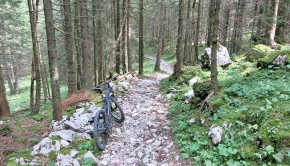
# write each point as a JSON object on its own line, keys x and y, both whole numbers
{"x": 145, "y": 137}
{"x": 18, "y": 134}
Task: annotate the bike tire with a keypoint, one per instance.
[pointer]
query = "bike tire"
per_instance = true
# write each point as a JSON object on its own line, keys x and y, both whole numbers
{"x": 101, "y": 130}
{"x": 116, "y": 111}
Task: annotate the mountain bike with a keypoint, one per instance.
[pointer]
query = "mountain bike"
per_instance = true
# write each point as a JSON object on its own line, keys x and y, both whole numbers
{"x": 103, "y": 118}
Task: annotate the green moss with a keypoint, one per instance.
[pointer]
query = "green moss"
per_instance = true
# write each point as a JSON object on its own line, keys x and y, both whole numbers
{"x": 55, "y": 138}
{"x": 219, "y": 101}
{"x": 12, "y": 163}
{"x": 52, "y": 156}
{"x": 249, "y": 149}
{"x": 65, "y": 151}
{"x": 38, "y": 117}
{"x": 22, "y": 153}
{"x": 268, "y": 60}
{"x": 202, "y": 89}
{"x": 263, "y": 48}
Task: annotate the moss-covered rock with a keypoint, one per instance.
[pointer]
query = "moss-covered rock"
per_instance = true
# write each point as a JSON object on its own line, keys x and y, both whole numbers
{"x": 202, "y": 89}
{"x": 269, "y": 59}
{"x": 257, "y": 52}
{"x": 216, "y": 103}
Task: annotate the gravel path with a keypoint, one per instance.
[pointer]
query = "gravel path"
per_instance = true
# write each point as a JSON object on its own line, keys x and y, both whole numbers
{"x": 144, "y": 138}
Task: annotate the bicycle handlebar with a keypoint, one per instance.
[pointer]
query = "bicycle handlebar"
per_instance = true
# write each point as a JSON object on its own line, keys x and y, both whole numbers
{"x": 98, "y": 87}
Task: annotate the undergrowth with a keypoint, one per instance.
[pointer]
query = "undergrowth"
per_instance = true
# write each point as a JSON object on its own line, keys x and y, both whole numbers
{"x": 252, "y": 107}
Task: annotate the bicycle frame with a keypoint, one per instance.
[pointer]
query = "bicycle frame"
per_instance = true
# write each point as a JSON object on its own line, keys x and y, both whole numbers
{"x": 107, "y": 101}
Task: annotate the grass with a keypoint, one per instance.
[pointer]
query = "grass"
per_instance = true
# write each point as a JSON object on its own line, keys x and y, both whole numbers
{"x": 252, "y": 103}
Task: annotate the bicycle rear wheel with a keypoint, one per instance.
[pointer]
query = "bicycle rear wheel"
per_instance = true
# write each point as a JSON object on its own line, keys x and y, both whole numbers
{"x": 101, "y": 130}
{"x": 116, "y": 111}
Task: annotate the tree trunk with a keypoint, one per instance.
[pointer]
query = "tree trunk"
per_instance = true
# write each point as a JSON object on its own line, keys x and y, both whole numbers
{"x": 77, "y": 32}
{"x": 4, "y": 106}
{"x": 124, "y": 67}
{"x": 225, "y": 25}
{"x": 87, "y": 60}
{"x": 178, "y": 52}
{"x": 187, "y": 57}
{"x": 160, "y": 38}
{"x": 238, "y": 28}
{"x": 215, "y": 22}
{"x": 9, "y": 78}
{"x": 117, "y": 33}
{"x": 282, "y": 21}
{"x": 209, "y": 25}
{"x": 256, "y": 9}
{"x": 141, "y": 44}
{"x": 196, "y": 39}
{"x": 271, "y": 28}
{"x": 98, "y": 41}
{"x": 72, "y": 77}
{"x": 33, "y": 13}
{"x": 129, "y": 55}
{"x": 52, "y": 58}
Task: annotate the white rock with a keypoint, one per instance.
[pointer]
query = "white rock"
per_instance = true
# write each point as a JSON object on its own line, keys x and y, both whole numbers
{"x": 188, "y": 96}
{"x": 79, "y": 112}
{"x": 130, "y": 161}
{"x": 192, "y": 120}
{"x": 215, "y": 134}
{"x": 1, "y": 122}
{"x": 113, "y": 86}
{"x": 129, "y": 76}
{"x": 64, "y": 143}
{"x": 73, "y": 153}
{"x": 103, "y": 162}
{"x": 21, "y": 161}
{"x": 223, "y": 57}
{"x": 89, "y": 154}
{"x": 66, "y": 160}
{"x": 139, "y": 154}
{"x": 57, "y": 125}
{"x": 157, "y": 143}
{"x": 74, "y": 124}
{"x": 169, "y": 145}
{"x": 57, "y": 145}
{"x": 194, "y": 80}
{"x": 44, "y": 147}
{"x": 35, "y": 161}
{"x": 167, "y": 96}
{"x": 123, "y": 85}
{"x": 67, "y": 135}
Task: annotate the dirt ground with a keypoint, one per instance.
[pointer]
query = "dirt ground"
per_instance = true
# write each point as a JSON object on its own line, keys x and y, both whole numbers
{"x": 19, "y": 133}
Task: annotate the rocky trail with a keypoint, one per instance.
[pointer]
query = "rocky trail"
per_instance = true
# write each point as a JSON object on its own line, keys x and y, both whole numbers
{"x": 145, "y": 137}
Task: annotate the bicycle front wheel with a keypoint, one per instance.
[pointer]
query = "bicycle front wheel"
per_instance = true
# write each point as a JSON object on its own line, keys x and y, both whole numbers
{"x": 101, "y": 130}
{"x": 116, "y": 111}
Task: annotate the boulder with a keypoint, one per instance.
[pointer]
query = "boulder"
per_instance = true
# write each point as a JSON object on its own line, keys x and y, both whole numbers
{"x": 123, "y": 86}
{"x": 223, "y": 57}
{"x": 188, "y": 96}
{"x": 272, "y": 57}
{"x": 202, "y": 89}
{"x": 67, "y": 135}
{"x": 89, "y": 154}
{"x": 281, "y": 60}
{"x": 167, "y": 97}
{"x": 45, "y": 147}
{"x": 66, "y": 160}
{"x": 194, "y": 80}
{"x": 215, "y": 133}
